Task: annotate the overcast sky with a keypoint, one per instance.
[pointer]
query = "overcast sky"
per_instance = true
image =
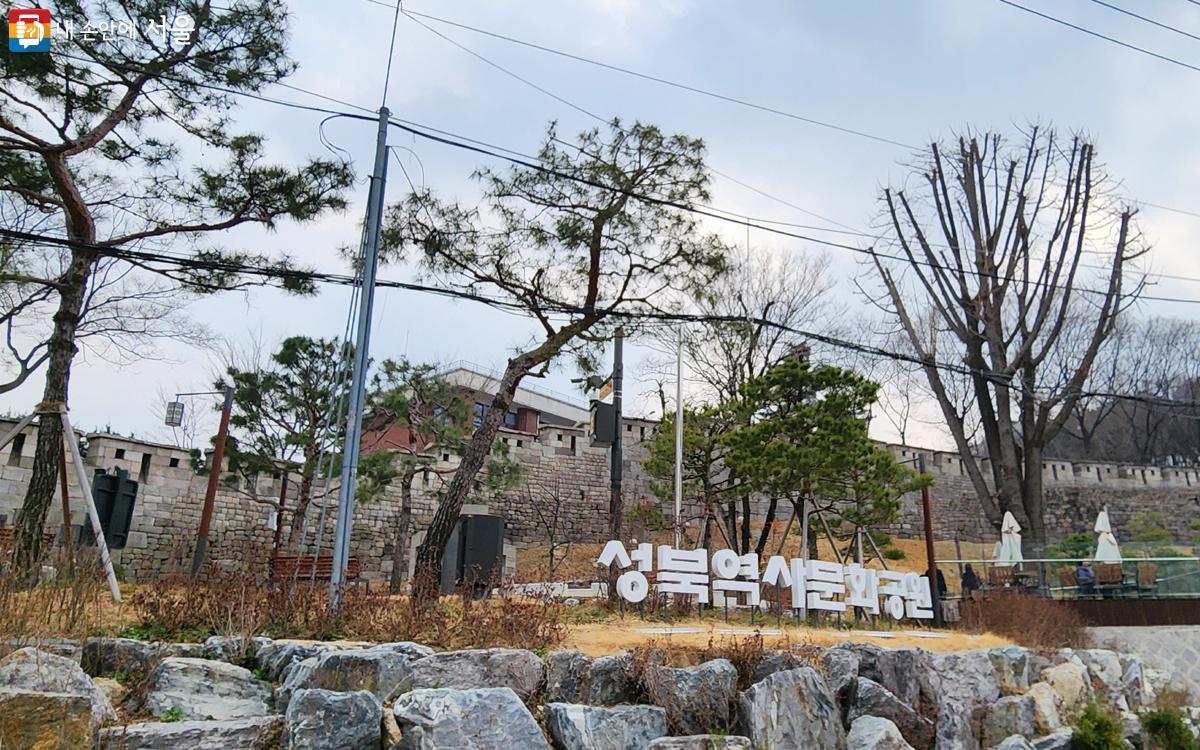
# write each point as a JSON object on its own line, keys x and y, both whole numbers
{"x": 908, "y": 71}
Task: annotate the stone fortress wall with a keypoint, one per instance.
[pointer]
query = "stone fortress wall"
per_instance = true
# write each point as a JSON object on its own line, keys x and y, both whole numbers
{"x": 559, "y": 467}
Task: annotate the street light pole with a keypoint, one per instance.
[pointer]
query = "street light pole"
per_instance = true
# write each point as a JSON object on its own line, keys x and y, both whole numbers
{"x": 214, "y": 476}
{"x": 679, "y": 440}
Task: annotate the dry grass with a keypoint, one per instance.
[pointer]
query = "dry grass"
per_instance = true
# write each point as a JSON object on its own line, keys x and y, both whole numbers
{"x": 1033, "y": 621}
{"x": 66, "y": 604}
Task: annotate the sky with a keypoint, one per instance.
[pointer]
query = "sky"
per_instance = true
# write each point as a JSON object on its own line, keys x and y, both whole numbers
{"x": 907, "y": 71}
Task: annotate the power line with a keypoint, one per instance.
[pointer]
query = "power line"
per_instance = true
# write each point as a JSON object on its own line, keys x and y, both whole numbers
{"x": 662, "y": 81}
{"x": 1098, "y": 35}
{"x": 143, "y": 257}
{"x": 1151, "y": 21}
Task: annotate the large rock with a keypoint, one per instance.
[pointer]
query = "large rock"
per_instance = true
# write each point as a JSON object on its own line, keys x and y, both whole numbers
{"x": 1105, "y": 669}
{"x": 206, "y": 689}
{"x": 29, "y": 669}
{"x": 895, "y": 669}
{"x": 1015, "y": 742}
{"x": 1060, "y": 740}
{"x": 68, "y": 647}
{"x": 327, "y": 720}
{"x": 383, "y": 671}
{"x": 1047, "y": 708}
{"x": 234, "y": 649}
{"x": 1131, "y": 729}
{"x": 572, "y": 677}
{"x": 103, "y": 657}
{"x": 840, "y": 665}
{"x": 1070, "y": 681}
{"x": 698, "y": 699}
{"x": 869, "y": 698}
{"x": 702, "y": 742}
{"x": 576, "y": 727}
{"x": 1012, "y": 714}
{"x": 957, "y": 722}
{"x": 966, "y": 677}
{"x": 258, "y": 733}
{"x": 48, "y": 720}
{"x": 1014, "y": 668}
{"x": 775, "y": 661}
{"x": 479, "y": 719}
{"x": 1138, "y": 690}
{"x": 792, "y": 709}
{"x": 520, "y": 670}
{"x": 277, "y": 657}
{"x": 875, "y": 733}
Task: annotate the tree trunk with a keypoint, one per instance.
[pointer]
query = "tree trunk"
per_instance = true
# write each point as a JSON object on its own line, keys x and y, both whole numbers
{"x": 765, "y": 536}
{"x": 403, "y": 532}
{"x": 746, "y": 518}
{"x": 300, "y": 510}
{"x": 731, "y": 523}
{"x": 31, "y": 519}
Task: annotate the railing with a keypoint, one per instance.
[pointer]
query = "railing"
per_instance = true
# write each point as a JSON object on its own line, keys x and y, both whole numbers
{"x": 1133, "y": 577}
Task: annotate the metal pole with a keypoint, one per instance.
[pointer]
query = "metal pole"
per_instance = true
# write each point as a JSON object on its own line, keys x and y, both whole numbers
{"x": 66, "y": 507}
{"x": 214, "y": 477}
{"x": 929, "y": 553}
{"x": 615, "y": 503}
{"x": 679, "y": 437}
{"x": 803, "y": 612}
{"x": 86, "y": 490}
{"x": 279, "y": 515}
{"x": 362, "y": 340}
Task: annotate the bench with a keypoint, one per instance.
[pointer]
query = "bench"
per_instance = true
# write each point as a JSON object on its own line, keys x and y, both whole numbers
{"x": 1000, "y": 576}
{"x": 8, "y": 536}
{"x": 285, "y": 566}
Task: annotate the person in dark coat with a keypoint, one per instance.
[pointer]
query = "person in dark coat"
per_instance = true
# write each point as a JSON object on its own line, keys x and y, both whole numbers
{"x": 970, "y": 582}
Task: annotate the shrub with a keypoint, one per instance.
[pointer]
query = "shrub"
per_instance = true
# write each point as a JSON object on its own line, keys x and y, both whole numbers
{"x": 1148, "y": 527}
{"x": 1098, "y": 729}
{"x": 892, "y": 553}
{"x": 65, "y": 606}
{"x": 1167, "y": 730}
{"x": 1072, "y": 546}
{"x": 1167, "y": 552}
{"x": 1032, "y": 621}
{"x": 647, "y": 516}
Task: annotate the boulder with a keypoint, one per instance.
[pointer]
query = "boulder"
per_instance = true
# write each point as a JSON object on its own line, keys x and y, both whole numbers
{"x": 67, "y": 647}
{"x": 611, "y": 681}
{"x": 1060, "y": 740}
{"x": 30, "y": 719}
{"x": 1131, "y": 729}
{"x": 792, "y": 709}
{"x": 775, "y": 661}
{"x": 1105, "y": 668}
{"x": 185, "y": 650}
{"x": 258, "y": 733}
{"x": 840, "y": 665}
{"x": 697, "y": 699}
{"x": 966, "y": 677}
{"x": 702, "y": 742}
{"x": 517, "y": 669}
{"x": 382, "y": 670}
{"x": 233, "y": 648}
{"x": 113, "y": 690}
{"x": 206, "y": 689}
{"x": 875, "y": 733}
{"x": 327, "y": 720}
{"x": 1015, "y": 742}
{"x": 576, "y": 727}
{"x": 1047, "y": 708}
{"x": 869, "y": 698}
{"x": 567, "y": 676}
{"x": 957, "y": 720}
{"x": 477, "y": 719}
{"x": 277, "y": 657}
{"x": 894, "y": 668}
{"x": 1012, "y": 714}
{"x": 1014, "y": 668}
{"x": 103, "y": 657}
{"x": 31, "y": 670}
{"x": 1070, "y": 681}
{"x": 389, "y": 730}
{"x": 1137, "y": 689}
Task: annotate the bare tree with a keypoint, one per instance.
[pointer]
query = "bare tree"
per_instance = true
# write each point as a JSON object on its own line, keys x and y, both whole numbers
{"x": 1000, "y": 244}
{"x": 548, "y": 499}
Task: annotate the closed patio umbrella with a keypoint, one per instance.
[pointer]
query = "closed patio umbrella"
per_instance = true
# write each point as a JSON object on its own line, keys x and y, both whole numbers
{"x": 1008, "y": 550}
{"x": 1106, "y": 544}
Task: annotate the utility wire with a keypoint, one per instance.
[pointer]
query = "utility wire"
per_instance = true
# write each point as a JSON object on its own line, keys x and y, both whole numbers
{"x": 1098, "y": 35}
{"x": 1005, "y": 380}
{"x": 1150, "y": 21}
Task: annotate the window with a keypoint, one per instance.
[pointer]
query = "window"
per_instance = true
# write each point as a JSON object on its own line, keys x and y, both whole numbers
{"x": 572, "y": 443}
{"x": 18, "y": 445}
{"x": 641, "y": 433}
{"x": 174, "y": 463}
{"x": 558, "y": 437}
{"x": 480, "y": 410}
{"x": 445, "y": 456}
{"x": 629, "y": 428}
{"x": 120, "y": 453}
{"x": 520, "y": 443}
{"x": 510, "y": 419}
{"x": 144, "y": 468}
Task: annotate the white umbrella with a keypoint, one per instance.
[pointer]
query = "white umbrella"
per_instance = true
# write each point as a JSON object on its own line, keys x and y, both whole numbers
{"x": 1008, "y": 551}
{"x": 1106, "y": 544}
